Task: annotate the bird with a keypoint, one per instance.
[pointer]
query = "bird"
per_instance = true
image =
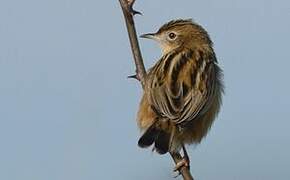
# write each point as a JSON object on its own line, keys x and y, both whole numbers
{"x": 183, "y": 91}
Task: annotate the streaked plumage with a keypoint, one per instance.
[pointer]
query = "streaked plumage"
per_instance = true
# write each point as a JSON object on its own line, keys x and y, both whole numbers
{"x": 183, "y": 89}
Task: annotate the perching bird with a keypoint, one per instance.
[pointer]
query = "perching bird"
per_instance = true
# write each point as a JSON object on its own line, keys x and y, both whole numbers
{"x": 183, "y": 90}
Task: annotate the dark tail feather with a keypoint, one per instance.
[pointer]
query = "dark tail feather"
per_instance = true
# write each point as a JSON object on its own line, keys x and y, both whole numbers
{"x": 162, "y": 142}
{"x": 160, "y": 137}
{"x": 148, "y": 137}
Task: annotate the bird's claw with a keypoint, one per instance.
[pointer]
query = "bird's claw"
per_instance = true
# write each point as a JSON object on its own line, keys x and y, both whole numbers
{"x": 182, "y": 163}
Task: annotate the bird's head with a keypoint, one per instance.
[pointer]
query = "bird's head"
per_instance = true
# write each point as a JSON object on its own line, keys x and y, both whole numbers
{"x": 180, "y": 34}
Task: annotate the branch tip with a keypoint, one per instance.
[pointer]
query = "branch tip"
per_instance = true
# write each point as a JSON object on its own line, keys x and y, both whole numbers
{"x": 134, "y": 12}
{"x": 133, "y": 77}
{"x": 131, "y": 9}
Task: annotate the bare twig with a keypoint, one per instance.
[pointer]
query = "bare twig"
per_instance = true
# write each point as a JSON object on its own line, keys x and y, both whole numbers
{"x": 127, "y": 7}
{"x": 129, "y": 12}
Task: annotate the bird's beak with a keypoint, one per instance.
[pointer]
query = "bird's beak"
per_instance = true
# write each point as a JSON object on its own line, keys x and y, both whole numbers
{"x": 149, "y": 36}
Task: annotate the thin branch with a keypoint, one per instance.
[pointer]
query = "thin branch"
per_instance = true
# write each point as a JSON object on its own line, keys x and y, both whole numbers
{"x": 129, "y": 12}
{"x": 127, "y": 8}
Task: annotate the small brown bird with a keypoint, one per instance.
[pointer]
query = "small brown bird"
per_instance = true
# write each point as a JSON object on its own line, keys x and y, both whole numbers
{"x": 183, "y": 90}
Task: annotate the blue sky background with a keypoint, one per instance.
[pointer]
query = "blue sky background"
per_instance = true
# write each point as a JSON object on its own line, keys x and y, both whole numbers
{"x": 67, "y": 110}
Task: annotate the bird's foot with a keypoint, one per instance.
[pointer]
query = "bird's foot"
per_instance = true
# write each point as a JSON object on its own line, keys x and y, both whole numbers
{"x": 182, "y": 163}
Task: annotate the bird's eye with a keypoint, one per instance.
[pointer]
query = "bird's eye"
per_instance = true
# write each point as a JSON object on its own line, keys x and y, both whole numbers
{"x": 172, "y": 35}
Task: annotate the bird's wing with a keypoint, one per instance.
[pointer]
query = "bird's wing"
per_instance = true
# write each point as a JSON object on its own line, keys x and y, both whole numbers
{"x": 198, "y": 100}
{"x": 183, "y": 102}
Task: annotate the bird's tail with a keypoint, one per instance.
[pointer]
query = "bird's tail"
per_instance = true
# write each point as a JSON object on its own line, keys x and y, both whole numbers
{"x": 161, "y": 134}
